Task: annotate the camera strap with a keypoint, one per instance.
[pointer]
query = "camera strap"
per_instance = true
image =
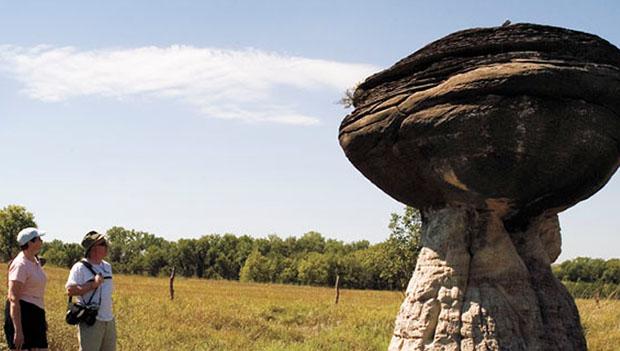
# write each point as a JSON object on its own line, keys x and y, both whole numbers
{"x": 92, "y": 270}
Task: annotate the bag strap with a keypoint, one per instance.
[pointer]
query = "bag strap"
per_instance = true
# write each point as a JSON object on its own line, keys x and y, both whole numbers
{"x": 90, "y": 268}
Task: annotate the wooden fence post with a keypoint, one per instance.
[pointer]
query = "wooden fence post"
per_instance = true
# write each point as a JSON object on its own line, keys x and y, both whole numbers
{"x": 172, "y": 283}
{"x": 337, "y": 288}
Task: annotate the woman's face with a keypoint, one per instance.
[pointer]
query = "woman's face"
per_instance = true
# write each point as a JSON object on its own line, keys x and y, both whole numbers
{"x": 35, "y": 245}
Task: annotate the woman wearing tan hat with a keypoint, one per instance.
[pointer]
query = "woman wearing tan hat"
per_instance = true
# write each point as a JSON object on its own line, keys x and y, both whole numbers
{"x": 24, "y": 317}
{"x": 95, "y": 286}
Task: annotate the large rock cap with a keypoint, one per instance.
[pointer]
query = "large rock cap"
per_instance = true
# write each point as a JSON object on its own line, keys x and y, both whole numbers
{"x": 521, "y": 118}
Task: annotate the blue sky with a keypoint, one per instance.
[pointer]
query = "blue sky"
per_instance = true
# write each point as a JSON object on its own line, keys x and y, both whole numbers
{"x": 187, "y": 118}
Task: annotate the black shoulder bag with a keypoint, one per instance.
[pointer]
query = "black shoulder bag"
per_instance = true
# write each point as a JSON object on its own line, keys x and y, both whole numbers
{"x": 78, "y": 312}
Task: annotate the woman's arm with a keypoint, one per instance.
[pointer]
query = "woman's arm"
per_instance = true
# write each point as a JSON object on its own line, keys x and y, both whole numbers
{"x": 15, "y": 290}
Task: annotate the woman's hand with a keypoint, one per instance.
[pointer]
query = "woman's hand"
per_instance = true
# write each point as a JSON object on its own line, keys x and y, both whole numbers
{"x": 18, "y": 338}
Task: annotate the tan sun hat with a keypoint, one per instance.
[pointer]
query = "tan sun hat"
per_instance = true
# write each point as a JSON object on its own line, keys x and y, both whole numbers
{"x": 90, "y": 239}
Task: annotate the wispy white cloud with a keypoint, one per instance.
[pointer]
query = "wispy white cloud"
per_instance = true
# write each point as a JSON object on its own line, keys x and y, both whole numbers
{"x": 232, "y": 84}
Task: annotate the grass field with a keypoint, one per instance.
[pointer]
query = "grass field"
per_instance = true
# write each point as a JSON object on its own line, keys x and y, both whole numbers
{"x": 224, "y": 315}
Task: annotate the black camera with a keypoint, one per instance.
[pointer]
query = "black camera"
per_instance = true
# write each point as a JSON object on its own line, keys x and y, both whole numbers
{"x": 90, "y": 314}
{"x": 79, "y": 313}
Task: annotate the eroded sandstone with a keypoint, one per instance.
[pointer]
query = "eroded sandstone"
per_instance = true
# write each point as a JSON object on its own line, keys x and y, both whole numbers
{"x": 490, "y": 133}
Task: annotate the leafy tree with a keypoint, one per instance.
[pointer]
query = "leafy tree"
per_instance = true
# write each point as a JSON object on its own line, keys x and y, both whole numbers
{"x": 582, "y": 269}
{"x": 313, "y": 269}
{"x": 591, "y": 270}
{"x": 335, "y": 247}
{"x": 218, "y": 255}
{"x": 13, "y": 218}
{"x": 129, "y": 247}
{"x": 277, "y": 246}
{"x": 349, "y": 268}
{"x": 73, "y": 253}
{"x": 357, "y": 245}
{"x": 185, "y": 257}
{"x": 311, "y": 242}
{"x": 263, "y": 245}
{"x": 374, "y": 264}
{"x": 402, "y": 247}
{"x": 288, "y": 274}
{"x": 243, "y": 249}
{"x": 348, "y": 98}
{"x": 61, "y": 254}
{"x": 118, "y": 251}
{"x": 156, "y": 259}
{"x": 257, "y": 268}
{"x": 557, "y": 271}
{"x": 612, "y": 271}
{"x": 291, "y": 245}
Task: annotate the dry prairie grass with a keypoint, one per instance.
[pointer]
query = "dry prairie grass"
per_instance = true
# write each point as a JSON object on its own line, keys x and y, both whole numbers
{"x": 224, "y": 315}
{"x": 601, "y": 323}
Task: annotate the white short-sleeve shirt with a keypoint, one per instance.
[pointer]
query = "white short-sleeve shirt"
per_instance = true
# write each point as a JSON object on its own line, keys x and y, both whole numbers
{"x": 80, "y": 274}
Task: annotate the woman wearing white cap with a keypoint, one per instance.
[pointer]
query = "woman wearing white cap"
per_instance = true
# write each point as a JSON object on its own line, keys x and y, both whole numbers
{"x": 24, "y": 317}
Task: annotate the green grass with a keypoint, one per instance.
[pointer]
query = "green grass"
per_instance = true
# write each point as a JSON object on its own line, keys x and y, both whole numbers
{"x": 584, "y": 290}
{"x": 224, "y": 315}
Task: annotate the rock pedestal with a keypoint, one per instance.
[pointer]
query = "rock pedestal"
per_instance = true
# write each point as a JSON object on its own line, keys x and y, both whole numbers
{"x": 490, "y": 132}
{"x": 478, "y": 287}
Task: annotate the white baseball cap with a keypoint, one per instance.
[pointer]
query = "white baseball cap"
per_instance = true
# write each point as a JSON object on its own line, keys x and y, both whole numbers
{"x": 27, "y": 234}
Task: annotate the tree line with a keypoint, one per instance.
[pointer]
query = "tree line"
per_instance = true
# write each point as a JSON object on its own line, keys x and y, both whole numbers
{"x": 309, "y": 259}
{"x": 589, "y": 270}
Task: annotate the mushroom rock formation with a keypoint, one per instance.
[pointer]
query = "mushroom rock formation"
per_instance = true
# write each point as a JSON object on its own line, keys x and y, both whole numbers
{"x": 490, "y": 132}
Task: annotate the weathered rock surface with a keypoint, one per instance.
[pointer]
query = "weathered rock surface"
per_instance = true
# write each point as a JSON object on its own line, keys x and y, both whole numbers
{"x": 490, "y": 133}
{"x": 478, "y": 287}
{"x": 523, "y": 115}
